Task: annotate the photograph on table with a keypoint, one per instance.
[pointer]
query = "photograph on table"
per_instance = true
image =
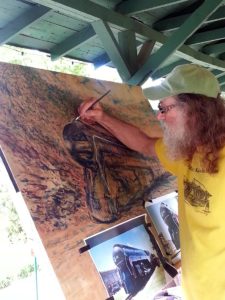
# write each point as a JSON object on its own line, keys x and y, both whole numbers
{"x": 127, "y": 260}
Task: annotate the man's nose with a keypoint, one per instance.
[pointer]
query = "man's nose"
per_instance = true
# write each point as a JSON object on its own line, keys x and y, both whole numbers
{"x": 160, "y": 116}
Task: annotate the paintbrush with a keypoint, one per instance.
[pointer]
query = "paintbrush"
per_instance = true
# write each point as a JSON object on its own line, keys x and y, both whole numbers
{"x": 96, "y": 101}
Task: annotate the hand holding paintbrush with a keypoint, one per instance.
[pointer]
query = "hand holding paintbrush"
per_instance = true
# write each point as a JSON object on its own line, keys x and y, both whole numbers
{"x": 94, "y": 103}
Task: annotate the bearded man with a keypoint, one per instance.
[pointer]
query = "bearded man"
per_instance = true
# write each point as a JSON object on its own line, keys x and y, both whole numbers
{"x": 192, "y": 114}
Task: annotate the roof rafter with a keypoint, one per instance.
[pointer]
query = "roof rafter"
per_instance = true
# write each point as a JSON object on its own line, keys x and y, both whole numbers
{"x": 144, "y": 52}
{"x": 21, "y": 22}
{"x": 220, "y": 75}
{"x": 221, "y": 80}
{"x": 200, "y": 58}
{"x": 176, "y": 40}
{"x": 104, "y": 59}
{"x": 214, "y": 48}
{"x": 163, "y": 71}
{"x": 173, "y": 23}
{"x": 72, "y": 42}
{"x": 222, "y": 56}
{"x": 206, "y": 36}
{"x": 126, "y": 38}
{"x": 86, "y": 8}
{"x": 215, "y": 72}
{"x": 113, "y": 50}
{"x": 131, "y": 7}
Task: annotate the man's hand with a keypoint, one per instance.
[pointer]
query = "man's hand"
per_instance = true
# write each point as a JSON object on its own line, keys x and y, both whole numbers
{"x": 95, "y": 114}
{"x": 128, "y": 134}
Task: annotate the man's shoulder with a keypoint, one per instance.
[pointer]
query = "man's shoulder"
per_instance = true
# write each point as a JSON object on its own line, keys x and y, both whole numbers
{"x": 173, "y": 166}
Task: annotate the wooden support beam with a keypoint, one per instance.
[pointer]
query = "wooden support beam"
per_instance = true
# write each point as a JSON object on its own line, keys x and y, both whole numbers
{"x": 22, "y": 22}
{"x": 131, "y": 7}
{"x": 169, "y": 24}
{"x": 206, "y": 36}
{"x": 112, "y": 48}
{"x": 145, "y": 52}
{"x": 175, "y": 41}
{"x": 72, "y": 42}
{"x": 128, "y": 47}
{"x": 88, "y": 9}
{"x": 163, "y": 71}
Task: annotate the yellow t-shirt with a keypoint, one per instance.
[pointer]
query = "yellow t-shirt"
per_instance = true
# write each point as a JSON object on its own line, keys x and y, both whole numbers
{"x": 202, "y": 226}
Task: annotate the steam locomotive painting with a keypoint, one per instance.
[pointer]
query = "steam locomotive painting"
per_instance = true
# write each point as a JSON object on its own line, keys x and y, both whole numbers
{"x": 135, "y": 266}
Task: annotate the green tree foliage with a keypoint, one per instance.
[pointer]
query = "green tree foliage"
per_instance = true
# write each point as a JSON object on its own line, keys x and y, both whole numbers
{"x": 41, "y": 60}
{"x": 5, "y": 282}
{"x": 26, "y": 271}
{"x": 14, "y": 229}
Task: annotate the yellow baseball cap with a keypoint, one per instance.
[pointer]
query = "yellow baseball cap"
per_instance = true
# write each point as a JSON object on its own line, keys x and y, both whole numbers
{"x": 187, "y": 78}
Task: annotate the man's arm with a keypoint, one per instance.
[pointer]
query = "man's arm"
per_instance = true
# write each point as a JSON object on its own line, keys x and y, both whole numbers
{"x": 127, "y": 134}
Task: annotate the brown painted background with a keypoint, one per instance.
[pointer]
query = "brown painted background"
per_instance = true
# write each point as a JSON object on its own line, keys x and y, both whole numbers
{"x": 35, "y": 106}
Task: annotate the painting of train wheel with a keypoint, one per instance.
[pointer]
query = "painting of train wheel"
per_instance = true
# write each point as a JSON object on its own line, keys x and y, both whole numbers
{"x": 127, "y": 261}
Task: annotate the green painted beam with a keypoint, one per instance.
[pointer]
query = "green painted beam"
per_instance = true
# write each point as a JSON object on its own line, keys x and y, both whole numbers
{"x": 175, "y": 41}
{"x": 214, "y": 49}
{"x": 20, "y": 23}
{"x": 131, "y": 7}
{"x": 127, "y": 45}
{"x": 206, "y": 36}
{"x": 72, "y": 42}
{"x": 163, "y": 71}
{"x": 145, "y": 52}
{"x": 112, "y": 48}
{"x": 216, "y": 72}
{"x": 173, "y": 23}
{"x": 104, "y": 59}
{"x": 200, "y": 58}
{"x": 87, "y": 10}
{"x": 222, "y": 56}
{"x": 221, "y": 80}
{"x": 220, "y": 75}
{"x": 169, "y": 24}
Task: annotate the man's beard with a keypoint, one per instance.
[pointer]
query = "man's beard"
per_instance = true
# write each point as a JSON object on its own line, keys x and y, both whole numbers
{"x": 178, "y": 141}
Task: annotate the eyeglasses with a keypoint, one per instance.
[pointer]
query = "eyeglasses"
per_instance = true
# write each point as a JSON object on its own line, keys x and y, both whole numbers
{"x": 165, "y": 109}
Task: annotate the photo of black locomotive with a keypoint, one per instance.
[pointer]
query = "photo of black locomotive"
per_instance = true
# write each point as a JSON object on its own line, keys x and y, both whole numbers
{"x": 171, "y": 221}
{"x": 135, "y": 267}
